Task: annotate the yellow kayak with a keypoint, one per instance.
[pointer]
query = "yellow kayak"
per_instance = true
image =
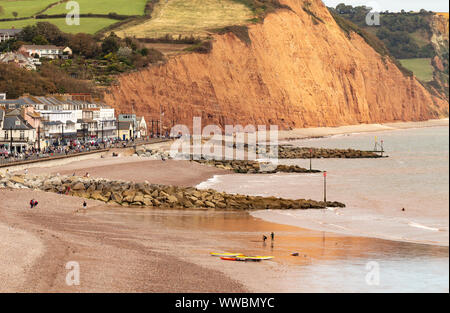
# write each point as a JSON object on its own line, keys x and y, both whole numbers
{"x": 256, "y": 258}
{"x": 229, "y": 255}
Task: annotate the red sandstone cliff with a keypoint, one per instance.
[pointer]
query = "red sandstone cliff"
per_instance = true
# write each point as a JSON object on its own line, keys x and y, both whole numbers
{"x": 296, "y": 73}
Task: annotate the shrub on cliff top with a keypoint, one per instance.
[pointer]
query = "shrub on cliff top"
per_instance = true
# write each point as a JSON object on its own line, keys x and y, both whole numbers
{"x": 240, "y": 31}
{"x": 202, "y": 47}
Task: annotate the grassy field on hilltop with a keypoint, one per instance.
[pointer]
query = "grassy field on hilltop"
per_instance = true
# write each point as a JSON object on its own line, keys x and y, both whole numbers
{"x": 189, "y": 17}
{"x": 121, "y": 7}
{"x": 91, "y": 25}
{"x": 422, "y": 68}
{"x": 24, "y": 8}
{"x": 87, "y": 25}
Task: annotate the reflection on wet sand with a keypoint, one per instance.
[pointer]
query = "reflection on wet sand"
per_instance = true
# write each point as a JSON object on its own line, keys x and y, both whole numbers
{"x": 321, "y": 254}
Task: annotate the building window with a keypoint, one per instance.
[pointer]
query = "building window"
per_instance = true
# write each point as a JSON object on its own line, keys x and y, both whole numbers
{"x": 22, "y": 135}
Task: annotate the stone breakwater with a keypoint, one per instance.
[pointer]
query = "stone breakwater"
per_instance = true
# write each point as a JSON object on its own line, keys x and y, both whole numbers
{"x": 254, "y": 167}
{"x": 151, "y": 195}
{"x": 238, "y": 166}
{"x": 284, "y": 152}
{"x": 290, "y": 152}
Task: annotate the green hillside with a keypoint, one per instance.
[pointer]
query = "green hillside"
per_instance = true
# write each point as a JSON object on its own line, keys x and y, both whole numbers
{"x": 421, "y": 67}
{"x": 140, "y": 18}
{"x": 87, "y": 25}
{"x": 122, "y": 7}
{"x": 30, "y": 8}
{"x": 411, "y": 37}
{"x": 24, "y": 8}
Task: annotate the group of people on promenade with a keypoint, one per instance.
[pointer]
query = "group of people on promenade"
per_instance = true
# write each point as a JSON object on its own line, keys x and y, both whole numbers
{"x": 34, "y": 153}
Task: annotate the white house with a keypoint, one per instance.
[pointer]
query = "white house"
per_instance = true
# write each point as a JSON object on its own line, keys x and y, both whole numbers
{"x": 106, "y": 122}
{"x": 59, "y": 123}
{"x": 46, "y": 51}
{"x": 16, "y": 134}
{"x": 141, "y": 127}
{"x": 7, "y": 34}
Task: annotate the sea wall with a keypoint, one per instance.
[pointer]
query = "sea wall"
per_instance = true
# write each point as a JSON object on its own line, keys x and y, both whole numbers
{"x": 53, "y": 161}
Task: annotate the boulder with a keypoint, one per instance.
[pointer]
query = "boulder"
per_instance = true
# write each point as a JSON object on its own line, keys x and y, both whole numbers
{"x": 117, "y": 197}
{"x": 147, "y": 201}
{"x": 98, "y": 195}
{"x": 139, "y": 197}
{"x": 78, "y": 186}
{"x": 172, "y": 199}
{"x": 17, "y": 180}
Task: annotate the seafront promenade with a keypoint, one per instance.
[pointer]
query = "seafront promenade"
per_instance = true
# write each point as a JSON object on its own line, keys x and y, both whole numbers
{"x": 62, "y": 154}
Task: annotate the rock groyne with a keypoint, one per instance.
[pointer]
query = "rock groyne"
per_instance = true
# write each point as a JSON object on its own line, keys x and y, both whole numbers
{"x": 254, "y": 167}
{"x": 150, "y": 195}
{"x": 291, "y": 152}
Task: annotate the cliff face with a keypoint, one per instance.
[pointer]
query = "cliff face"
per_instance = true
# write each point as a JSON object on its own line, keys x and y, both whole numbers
{"x": 440, "y": 28}
{"x": 440, "y": 41}
{"x": 298, "y": 71}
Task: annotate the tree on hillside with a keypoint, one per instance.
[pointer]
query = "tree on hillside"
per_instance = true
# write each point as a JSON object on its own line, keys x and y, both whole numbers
{"x": 2, "y": 11}
{"x": 15, "y": 14}
{"x": 28, "y": 33}
{"x": 111, "y": 44}
{"x": 395, "y": 30}
{"x": 52, "y": 33}
{"x": 63, "y": 82}
{"x": 39, "y": 40}
{"x": 45, "y": 30}
{"x": 84, "y": 45}
{"x": 16, "y": 81}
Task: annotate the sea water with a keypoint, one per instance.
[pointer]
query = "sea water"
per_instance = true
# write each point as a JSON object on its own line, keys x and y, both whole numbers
{"x": 403, "y": 198}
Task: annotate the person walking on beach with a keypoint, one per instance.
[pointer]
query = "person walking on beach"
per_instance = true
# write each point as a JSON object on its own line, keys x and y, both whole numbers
{"x": 272, "y": 236}
{"x": 84, "y": 205}
{"x": 264, "y": 238}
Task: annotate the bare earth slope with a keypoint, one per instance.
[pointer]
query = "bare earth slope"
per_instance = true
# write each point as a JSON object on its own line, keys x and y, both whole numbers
{"x": 295, "y": 73}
